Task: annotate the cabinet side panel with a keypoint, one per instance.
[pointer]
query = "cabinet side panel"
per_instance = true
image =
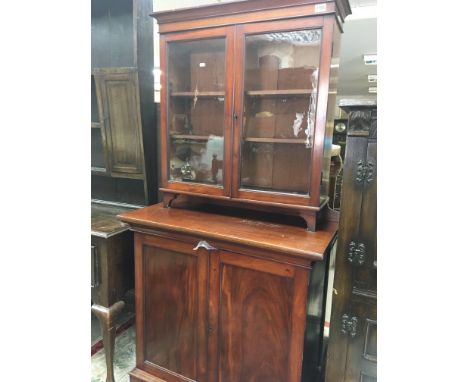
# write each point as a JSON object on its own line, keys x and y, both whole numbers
{"x": 255, "y": 325}
{"x": 170, "y": 326}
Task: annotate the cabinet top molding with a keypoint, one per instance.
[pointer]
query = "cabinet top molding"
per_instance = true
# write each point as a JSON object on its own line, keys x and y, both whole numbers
{"x": 228, "y": 11}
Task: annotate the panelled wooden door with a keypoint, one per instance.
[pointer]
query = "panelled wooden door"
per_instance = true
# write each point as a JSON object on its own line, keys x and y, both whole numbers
{"x": 256, "y": 321}
{"x": 205, "y": 314}
{"x": 171, "y": 308}
{"x": 352, "y": 349}
{"x": 119, "y": 108}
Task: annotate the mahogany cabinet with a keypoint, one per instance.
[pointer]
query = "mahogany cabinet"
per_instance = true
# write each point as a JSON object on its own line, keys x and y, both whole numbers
{"x": 352, "y": 348}
{"x": 226, "y": 298}
{"x": 244, "y": 102}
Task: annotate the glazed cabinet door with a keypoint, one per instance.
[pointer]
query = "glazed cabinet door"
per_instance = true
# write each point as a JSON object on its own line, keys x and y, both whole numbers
{"x": 257, "y": 319}
{"x": 119, "y": 109}
{"x": 279, "y": 98}
{"x": 196, "y": 111}
{"x": 171, "y": 308}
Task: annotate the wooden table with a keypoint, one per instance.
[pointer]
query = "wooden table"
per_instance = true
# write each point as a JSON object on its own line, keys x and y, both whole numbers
{"x": 112, "y": 272}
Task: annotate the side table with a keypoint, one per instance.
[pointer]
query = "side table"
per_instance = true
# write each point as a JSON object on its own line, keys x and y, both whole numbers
{"x": 112, "y": 272}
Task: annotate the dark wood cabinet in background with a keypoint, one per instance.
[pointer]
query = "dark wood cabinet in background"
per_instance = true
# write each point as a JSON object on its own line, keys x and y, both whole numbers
{"x": 119, "y": 115}
{"x": 123, "y": 123}
{"x": 111, "y": 272}
{"x": 123, "y": 148}
{"x": 352, "y": 348}
{"x": 226, "y": 297}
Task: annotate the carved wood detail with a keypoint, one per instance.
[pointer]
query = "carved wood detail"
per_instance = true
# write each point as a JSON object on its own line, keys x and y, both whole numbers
{"x": 349, "y": 325}
{"x": 364, "y": 172}
{"x": 356, "y": 253}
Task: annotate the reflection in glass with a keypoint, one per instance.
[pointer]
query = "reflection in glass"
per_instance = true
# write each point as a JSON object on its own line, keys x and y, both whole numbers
{"x": 196, "y": 84}
{"x": 280, "y": 99}
{"x": 195, "y": 160}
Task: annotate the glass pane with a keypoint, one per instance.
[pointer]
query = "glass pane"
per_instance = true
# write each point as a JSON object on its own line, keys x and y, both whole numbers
{"x": 281, "y": 74}
{"x": 196, "y": 84}
{"x": 276, "y": 166}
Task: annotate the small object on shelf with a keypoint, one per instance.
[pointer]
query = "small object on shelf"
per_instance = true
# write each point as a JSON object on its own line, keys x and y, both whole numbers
{"x": 187, "y": 126}
{"x": 216, "y": 165}
{"x": 187, "y": 172}
{"x": 262, "y": 125}
{"x": 173, "y": 169}
{"x": 178, "y": 123}
{"x": 268, "y": 73}
{"x": 295, "y": 78}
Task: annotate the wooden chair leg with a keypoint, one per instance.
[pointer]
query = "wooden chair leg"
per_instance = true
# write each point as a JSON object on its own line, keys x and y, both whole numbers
{"x": 107, "y": 320}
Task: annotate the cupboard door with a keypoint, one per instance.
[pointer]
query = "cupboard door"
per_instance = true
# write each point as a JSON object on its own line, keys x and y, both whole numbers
{"x": 119, "y": 107}
{"x": 277, "y": 103}
{"x": 196, "y": 110}
{"x": 171, "y": 308}
{"x": 361, "y": 350}
{"x": 257, "y": 319}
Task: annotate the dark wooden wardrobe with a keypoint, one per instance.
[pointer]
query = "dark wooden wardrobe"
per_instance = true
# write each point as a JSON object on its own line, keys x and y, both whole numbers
{"x": 352, "y": 348}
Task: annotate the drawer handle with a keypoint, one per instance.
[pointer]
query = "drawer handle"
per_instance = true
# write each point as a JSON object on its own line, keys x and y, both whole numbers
{"x": 204, "y": 244}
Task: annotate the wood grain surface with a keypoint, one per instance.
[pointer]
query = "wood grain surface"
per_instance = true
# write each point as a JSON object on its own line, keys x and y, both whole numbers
{"x": 283, "y": 238}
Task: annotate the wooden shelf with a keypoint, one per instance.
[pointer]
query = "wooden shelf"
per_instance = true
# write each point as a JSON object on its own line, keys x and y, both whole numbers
{"x": 280, "y": 92}
{"x": 199, "y": 94}
{"x": 191, "y": 137}
{"x": 276, "y": 140}
{"x": 95, "y": 125}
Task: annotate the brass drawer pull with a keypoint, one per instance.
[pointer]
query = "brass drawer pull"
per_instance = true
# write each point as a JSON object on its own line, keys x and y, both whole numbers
{"x": 204, "y": 244}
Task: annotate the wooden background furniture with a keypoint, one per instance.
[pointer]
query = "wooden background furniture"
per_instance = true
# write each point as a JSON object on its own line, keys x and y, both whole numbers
{"x": 123, "y": 147}
{"x": 225, "y": 297}
{"x": 123, "y": 134}
{"x": 352, "y": 348}
{"x": 111, "y": 272}
{"x": 245, "y": 92}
